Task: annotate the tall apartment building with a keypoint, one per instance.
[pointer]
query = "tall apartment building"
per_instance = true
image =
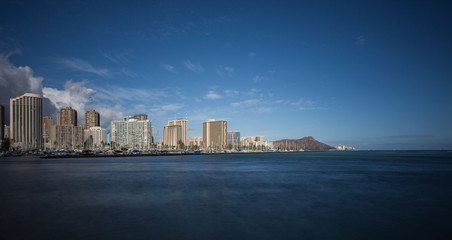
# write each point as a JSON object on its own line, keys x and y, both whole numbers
{"x": 26, "y": 121}
{"x": 49, "y": 132}
{"x": 95, "y": 137}
{"x": 67, "y": 117}
{"x": 92, "y": 119}
{"x": 214, "y": 133}
{"x": 233, "y": 138}
{"x": 175, "y": 131}
{"x": 131, "y": 133}
{"x": 69, "y": 136}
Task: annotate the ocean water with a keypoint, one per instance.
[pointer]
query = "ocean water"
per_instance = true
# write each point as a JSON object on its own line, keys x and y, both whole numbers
{"x": 325, "y": 195}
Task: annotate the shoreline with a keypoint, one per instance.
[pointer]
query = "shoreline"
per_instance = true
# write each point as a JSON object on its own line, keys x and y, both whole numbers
{"x": 152, "y": 154}
{"x": 158, "y": 154}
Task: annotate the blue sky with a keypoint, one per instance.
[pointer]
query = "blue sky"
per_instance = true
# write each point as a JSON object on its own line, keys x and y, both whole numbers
{"x": 368, "y": 74}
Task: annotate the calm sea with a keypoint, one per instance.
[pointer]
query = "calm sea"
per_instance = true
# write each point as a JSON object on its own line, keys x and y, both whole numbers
{"x": 330, "y": 195}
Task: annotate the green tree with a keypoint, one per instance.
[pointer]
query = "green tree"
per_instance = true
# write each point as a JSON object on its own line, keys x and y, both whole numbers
{"x": 181, "y": 144}
{"x": 5, "y": 144}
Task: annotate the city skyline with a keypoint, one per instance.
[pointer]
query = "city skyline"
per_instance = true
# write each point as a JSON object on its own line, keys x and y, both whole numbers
{"x": 362, "y": 74}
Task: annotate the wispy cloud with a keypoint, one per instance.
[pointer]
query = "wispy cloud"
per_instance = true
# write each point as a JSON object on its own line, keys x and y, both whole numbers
{"x": 212, "y": 95}
{"x": 169, "y": 68}
{"x": 128, "y": 73}
{"x": 248, "y": 102}
{"x": 257, "y": 79}
{"x": 120, "y": 94}
{"x": 231, "y": 93}
{"x": 252, "y": 54}
{"x": 361, "y": 40}
{"x": 82, "y": 66}
{"x": 229, "y": 69}
{"x": 163, "y": 109}
{"x": 305, "y": 105}
{"x": 121, "y": 58}
{"x": 193, "y": 67}
{"x": 253, "y": 91}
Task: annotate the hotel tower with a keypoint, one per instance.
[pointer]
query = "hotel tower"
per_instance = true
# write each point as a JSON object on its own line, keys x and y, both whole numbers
{"x": 26, "y": 121}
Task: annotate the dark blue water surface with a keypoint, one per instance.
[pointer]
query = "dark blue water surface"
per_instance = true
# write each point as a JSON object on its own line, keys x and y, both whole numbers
{"x": 330, "y": 195}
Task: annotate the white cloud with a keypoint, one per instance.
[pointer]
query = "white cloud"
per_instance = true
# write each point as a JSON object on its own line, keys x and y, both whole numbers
{"x": 253, "y": 91}
{"x": 15, "y": 81}
{"x": 128, "y": 73}
{"x": 305, "y": 105}
{"x": 124, "y": 57}
{"x": 74, "y": 95}
{"x": 257, "y": 79}
{"x": 212, "y": 95}
{"x": 109, "y": 113}
{"x": 82, "y": 66}
{"x": 193, "y": 67}
{"x": 169, "y": 68}
{"x": 252, "y": 54}
{"x": 249, "y": 102}
{"x": 163, "y": 109}
{"x": 231, "y": 93}
{"x": 229, "y": 69}
{"x": 120, "y": 94}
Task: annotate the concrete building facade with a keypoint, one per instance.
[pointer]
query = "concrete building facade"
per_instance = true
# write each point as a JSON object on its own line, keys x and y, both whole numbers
{"x": 49, "y": 132}
{"x": 92, "y": 119}
{"x": 214, "y": 133}
{"x": 131, "y": 133}
{"x": 67, "y": 117}
{"x": 69, "y": 137}
{"x": 233, "y": 138}
{"x": 175, "y": 131}
{"x": 95, "y": 138}
{"x": 26, "y": 121}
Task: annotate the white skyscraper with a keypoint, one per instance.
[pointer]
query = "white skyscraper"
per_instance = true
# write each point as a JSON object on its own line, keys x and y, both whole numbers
{"x": 131, "y": 133}
{"x": 95, "y": 137}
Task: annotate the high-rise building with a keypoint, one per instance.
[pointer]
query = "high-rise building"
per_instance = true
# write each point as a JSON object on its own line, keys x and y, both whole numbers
{"x": 141, "y": 116}
{"x": 171, "y": 135}
{"x": 68, "y": 135}
{"x": 92, "y": 119}
{"x": 233, "y": 138}
{"x": 131, "y": 133}
{"x": 95, "y": 137}
{"x": 49, "y": 132}
{"x": 26, "y": 121}
{"x": 175, "y": 131}
{"x": 214, "y": 133}
{"x": 67, "y": 117}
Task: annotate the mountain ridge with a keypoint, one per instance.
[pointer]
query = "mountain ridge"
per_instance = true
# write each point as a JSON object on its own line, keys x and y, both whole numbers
{"x": 305, "y": 143}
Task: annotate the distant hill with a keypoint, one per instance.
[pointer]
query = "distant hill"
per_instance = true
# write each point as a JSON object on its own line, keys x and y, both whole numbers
{"x": 306, "y": 143}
